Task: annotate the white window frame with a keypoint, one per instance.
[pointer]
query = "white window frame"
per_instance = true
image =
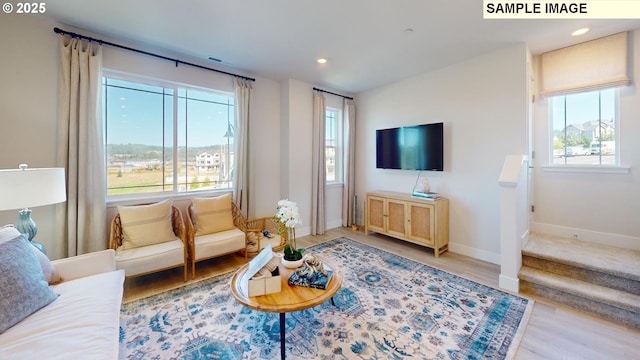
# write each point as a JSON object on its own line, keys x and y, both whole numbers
{"x": 159, "y": 195}
{"x": 587, "y": 168}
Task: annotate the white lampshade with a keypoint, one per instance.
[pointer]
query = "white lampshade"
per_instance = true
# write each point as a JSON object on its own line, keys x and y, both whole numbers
{"x": 24, "y": 187}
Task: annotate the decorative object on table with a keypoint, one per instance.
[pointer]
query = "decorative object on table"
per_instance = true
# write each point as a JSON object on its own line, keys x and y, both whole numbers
{"x": 422, "y": 189}
{"x": 262, "y": 276}
{"x": 388, "y": 307}
{"x": 24, "y": 188}
{"x": 312, "y": 274}
{"x": 289, "y": 215}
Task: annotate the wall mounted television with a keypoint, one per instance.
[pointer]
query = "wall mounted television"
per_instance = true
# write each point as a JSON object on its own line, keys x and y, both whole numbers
{"x": 418, "y": 147}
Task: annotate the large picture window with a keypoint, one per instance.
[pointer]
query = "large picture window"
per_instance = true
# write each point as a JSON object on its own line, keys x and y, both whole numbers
{"x": 584, "y": 127}
{"x": 161, "y": 137}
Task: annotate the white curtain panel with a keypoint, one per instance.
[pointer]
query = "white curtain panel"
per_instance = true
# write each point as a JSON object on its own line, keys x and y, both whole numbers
{"x": 243, "y": 91}
{"x": 81, "y": 221}
{"x": 348, "y": 191}
{"x": 318, "y": 171}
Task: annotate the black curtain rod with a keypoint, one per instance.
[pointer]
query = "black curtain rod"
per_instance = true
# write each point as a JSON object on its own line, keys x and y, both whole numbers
{"x": 101, "y": 42}
{"x": 329, "y": 92}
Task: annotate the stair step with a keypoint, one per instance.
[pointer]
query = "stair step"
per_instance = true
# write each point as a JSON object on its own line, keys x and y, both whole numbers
{"x": 624, "y": 263}
{"x": 597, "y": 293}
{"x": 582, "y": 274}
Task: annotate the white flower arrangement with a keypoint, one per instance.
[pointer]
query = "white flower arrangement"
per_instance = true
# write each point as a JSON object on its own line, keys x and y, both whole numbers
{"x": 289, "y": 215}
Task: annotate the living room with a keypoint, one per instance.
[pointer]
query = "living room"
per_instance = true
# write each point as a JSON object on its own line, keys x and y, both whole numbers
{"x": 483, "y": 102}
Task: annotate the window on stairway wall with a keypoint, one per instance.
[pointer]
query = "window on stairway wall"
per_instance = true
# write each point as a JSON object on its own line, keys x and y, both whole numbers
{"x": 333, "y": 145}
{"x": 584, "y": 128}
{"x": 161, "y": 137}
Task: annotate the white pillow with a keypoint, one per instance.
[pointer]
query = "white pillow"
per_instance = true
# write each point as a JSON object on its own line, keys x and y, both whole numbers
{"x": 8, "y": 232}
{"x": 144, "y": 225}
{"x": 213, "y": 214}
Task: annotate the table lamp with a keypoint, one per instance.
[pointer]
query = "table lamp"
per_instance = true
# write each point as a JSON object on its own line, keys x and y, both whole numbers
{"x": 24, "y": 188}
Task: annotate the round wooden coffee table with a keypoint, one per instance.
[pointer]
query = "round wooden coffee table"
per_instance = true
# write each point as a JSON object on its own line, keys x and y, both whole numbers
{"x": 291, "y": 298}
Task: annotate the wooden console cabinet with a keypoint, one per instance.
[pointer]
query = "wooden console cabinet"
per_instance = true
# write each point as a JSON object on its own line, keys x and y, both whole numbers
{"x": 420, "y": 221}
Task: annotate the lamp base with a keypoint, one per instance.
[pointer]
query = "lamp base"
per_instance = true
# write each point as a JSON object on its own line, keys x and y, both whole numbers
{"x": 27, "y": 226}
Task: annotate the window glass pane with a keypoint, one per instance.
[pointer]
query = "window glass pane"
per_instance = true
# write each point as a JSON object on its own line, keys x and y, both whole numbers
{"x": 134, "y": 136}
{"x": 206, "y": 152}
{"x": 584, "y": 127}
{"x": 330, "y": 145}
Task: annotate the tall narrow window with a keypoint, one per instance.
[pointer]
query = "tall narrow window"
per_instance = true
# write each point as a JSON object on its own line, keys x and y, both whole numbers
{"x": 163, "y": 138}
{"x": 333, "y": 143}
{"x": 584, "y": 127}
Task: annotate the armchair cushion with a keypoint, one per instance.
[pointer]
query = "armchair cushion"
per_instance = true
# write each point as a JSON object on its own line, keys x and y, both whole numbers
{"x": 22, "y": 284}
{"x": 213, "y": 214}
{"x": 150, "y": 258}
{"x": 144, "y": 225}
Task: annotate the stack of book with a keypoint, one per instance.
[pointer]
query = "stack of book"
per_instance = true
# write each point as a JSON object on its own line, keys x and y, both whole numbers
{"x": 316, "y": 280}
{"x": 427, "y": 195}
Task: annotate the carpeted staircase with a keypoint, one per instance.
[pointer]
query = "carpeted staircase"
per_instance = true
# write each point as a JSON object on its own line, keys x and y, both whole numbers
{"x": 595, "y": 278}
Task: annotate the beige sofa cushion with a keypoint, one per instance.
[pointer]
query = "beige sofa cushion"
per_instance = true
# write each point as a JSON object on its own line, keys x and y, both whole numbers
{"x": 213, "y": 214}
{"x": 144, "y": 225}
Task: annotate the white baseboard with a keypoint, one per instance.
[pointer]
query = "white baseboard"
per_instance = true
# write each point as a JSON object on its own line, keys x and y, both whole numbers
{"x": 509, "y": 283}
{"x": 334, "y": 224}
{"x": 617, "y": 240}
{"x": 306, "y": 230}
{"x": 469, "y": 251}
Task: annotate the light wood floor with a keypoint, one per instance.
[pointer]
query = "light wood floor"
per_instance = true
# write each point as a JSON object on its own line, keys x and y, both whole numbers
{"x": 554, "y": 331}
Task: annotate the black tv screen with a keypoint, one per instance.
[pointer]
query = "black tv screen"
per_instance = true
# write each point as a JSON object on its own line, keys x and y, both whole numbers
{"x": 417, "y": 147}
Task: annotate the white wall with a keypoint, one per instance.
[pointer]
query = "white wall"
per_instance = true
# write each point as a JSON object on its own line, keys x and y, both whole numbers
{"x": 596, "y": 207}
{"x": 29, "y": 107}
{"x": 482, "y": 103}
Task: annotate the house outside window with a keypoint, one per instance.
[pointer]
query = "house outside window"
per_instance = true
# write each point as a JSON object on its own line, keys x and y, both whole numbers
{"x": 333, "y": 146}
{"x": 161, "y": 137}
{"x": 584, "y": 128}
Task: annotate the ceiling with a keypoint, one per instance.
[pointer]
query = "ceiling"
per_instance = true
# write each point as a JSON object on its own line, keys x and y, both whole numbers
{"x": 366, "y": 42}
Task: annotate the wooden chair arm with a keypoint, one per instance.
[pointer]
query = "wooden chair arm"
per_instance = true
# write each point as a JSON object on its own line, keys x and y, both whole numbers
{"x": 115, "y": 235}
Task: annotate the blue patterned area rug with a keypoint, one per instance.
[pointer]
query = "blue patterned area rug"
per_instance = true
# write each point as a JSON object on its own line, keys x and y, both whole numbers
{"x": 389, "y": 307}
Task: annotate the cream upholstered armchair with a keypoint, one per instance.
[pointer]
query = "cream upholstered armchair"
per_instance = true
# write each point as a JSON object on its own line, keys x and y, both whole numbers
{"x": 213, "y": 229}
{"x": 149, "y": 238}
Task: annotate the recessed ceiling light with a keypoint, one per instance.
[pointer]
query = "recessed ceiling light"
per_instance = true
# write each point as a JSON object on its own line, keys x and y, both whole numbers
{"x": 321, "y": 60}
{"x": 580, "y": 32}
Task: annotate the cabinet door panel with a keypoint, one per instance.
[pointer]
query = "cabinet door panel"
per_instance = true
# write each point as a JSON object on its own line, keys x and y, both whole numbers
{"x": 375, "y": 212}
{"x": 396, "y": 217}
{"x": 421, "y": 223}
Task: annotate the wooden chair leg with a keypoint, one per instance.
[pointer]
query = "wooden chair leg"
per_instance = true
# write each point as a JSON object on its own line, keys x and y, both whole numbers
{"x": 193, "y": 269}
{"x": 185, "y": 270}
